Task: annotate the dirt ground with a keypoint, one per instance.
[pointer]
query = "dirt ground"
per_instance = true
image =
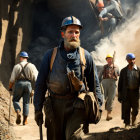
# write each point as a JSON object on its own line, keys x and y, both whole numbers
{"x": 31, "y": 130}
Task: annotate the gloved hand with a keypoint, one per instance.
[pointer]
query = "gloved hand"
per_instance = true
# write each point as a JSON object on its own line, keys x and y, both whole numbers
{"x": 10, "y": 88}
{"x": 32, "y": 93}
{"x": 11, "y": 91}
{"x": 119, "y": 97}
{"x": 77, "y": 84}
{"x": 39, "y": 117}
{"x": 120, "y": 100}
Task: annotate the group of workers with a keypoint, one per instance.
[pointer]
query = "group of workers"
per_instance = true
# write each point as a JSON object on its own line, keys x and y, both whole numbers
{"x": 128, "y": 88}
{"x": 61, "y": 79}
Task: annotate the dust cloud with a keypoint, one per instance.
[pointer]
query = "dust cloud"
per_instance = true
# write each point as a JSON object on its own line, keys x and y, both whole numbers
{"x": 125, "y": 39}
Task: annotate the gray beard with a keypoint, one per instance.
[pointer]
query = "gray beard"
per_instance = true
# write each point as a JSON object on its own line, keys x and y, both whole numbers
{"x": 72, "y": 45}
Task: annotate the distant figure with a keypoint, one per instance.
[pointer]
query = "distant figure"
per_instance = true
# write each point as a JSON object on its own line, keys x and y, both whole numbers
{"x": 112, "y": 13}
{"x": 108, "y": 77}
{"x": 22, "y": 75}
{"x": 128, "y": 90}
{"x": 100, "y": 6}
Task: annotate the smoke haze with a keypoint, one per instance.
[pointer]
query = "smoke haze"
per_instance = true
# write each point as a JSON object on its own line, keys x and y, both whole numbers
{"x": 126, "y": 39}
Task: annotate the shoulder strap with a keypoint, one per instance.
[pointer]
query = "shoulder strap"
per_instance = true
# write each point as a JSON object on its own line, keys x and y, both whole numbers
{"x": 53, "y": 57}
{"x": 82, "y": 60}
{"x": 22, "y": 71}
{"x": 83, "y": 66}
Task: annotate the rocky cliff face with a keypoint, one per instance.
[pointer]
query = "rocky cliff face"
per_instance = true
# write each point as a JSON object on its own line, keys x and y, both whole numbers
{"x": 15, "y": 18}
{"x": 6, "y": 130}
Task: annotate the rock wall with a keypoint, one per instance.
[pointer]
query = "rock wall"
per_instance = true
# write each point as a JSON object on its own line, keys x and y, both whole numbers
{"x": 6, "y": 130}
{"x": 16, "y": 19}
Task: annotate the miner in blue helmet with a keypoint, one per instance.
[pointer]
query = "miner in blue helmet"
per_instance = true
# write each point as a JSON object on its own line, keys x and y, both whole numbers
{"x": 24, "y": 55}
{"x": 61, "y": 75}
{"x": 128, "y": 91}
{"x": 24, "y": 74}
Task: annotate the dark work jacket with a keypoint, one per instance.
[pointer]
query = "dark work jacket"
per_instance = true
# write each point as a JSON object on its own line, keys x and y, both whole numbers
{"x": 41, "y": 84}
{"x": 58, "y": 82}
{"x": 123, "y": 82}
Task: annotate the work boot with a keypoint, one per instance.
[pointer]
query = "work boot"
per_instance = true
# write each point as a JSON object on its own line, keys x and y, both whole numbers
{"x": 108, "y": 118}
{"x": 127, "y": 126}
{"x": 18, "y": 120}
{"x": 25, "y": 120}
{"x": 133, "y": 120}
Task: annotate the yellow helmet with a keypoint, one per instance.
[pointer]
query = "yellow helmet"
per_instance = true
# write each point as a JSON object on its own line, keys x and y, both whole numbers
{"x": 109, "y": 56}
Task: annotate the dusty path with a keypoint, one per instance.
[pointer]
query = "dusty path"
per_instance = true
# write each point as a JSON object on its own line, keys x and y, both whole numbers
{"x": 31, "y": 130}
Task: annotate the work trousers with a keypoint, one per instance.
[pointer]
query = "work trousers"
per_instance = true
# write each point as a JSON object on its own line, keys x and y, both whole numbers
{"x": 22, "y": 89}
{"x": 69, "y": 120}
{"x": 131, "y": 102}
{"x": 109, "y": 86}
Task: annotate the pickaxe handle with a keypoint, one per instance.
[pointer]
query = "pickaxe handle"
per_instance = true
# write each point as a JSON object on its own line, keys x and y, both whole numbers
{"x": 40, "y": 131}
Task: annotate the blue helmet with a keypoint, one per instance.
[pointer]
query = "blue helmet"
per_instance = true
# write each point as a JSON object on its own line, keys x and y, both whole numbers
{"x": 130, "y": 56}
{"x": 24, "y": 54}
{"x": 71, "y": 20}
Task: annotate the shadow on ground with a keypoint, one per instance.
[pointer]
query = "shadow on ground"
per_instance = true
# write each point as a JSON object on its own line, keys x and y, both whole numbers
{"x": 116, "y": 133}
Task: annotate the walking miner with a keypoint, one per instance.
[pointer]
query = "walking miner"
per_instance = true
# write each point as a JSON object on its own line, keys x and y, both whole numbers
{"x": 108, "y": 77}
{"x": 22, "y": 75}
{"x": 128, "y": 90}
{"x": 61, "y": 76}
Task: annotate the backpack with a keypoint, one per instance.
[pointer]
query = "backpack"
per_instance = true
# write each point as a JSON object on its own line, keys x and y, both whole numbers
{"x": 93, "y": 113}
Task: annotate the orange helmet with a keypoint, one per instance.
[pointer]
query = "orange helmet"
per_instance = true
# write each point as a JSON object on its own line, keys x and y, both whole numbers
{"x": 100, "y": 4}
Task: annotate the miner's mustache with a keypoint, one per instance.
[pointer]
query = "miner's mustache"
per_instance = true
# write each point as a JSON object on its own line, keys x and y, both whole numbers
{"x": 73, "y": 39}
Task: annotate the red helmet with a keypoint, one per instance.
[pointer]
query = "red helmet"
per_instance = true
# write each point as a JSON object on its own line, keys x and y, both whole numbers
{"x": 100, "y": 4}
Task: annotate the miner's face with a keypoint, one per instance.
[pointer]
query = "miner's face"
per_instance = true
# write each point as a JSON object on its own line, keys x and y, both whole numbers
{"x": 71, "y": 37}
{"x": 109, "y": 60}
{"x": 131, "y": 62}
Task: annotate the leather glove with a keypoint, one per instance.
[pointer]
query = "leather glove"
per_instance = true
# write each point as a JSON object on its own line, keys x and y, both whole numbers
{"x": 10, "y": 88}
{"x": 39, "y": 117}
{"x": 119, "y": 97}
{"x": 77, "y": 84}
{"x": 32, "y": 93}
{"x": 11, "y": 91}
{"x": 120, "y": 100}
